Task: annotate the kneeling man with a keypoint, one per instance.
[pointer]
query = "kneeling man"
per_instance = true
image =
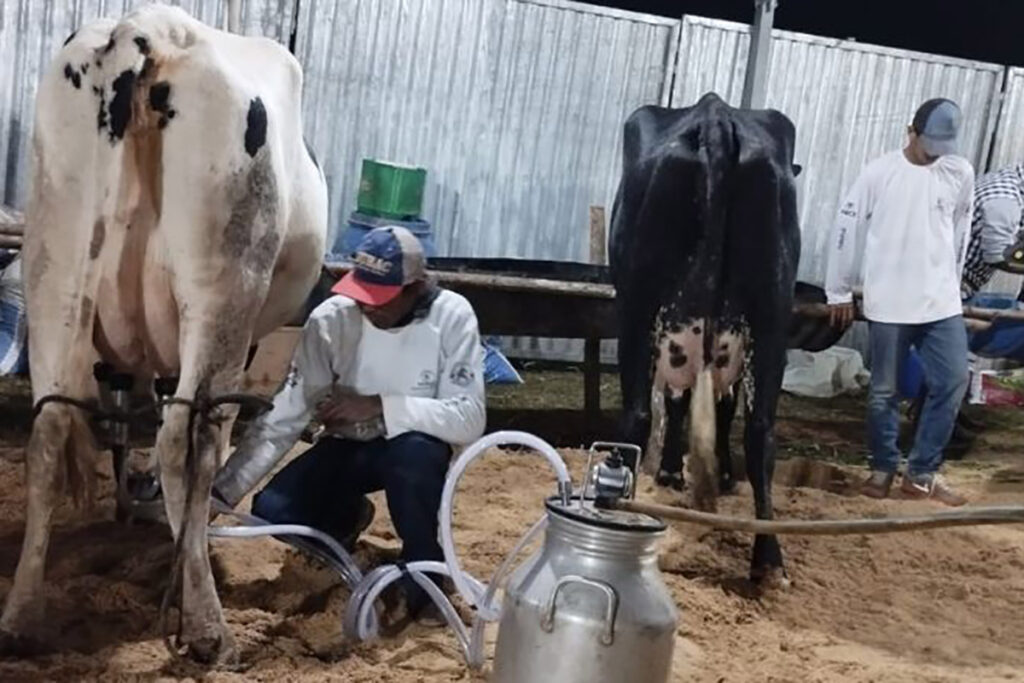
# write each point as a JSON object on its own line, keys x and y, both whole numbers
{"x": 393, "y": 368}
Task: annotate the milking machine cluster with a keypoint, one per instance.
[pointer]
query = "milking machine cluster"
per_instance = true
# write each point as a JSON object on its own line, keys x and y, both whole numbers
{"x": 137, "y": 493}
{"x": 588, "y": 606}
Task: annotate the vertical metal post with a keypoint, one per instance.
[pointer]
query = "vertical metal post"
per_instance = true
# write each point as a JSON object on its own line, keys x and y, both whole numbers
{"x": 235, "y": 16}
{"x": 759, "y": 58}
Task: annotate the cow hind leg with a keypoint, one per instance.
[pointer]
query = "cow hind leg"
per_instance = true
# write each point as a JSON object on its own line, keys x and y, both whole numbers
{"x": 636, "y": 381}
{"x": 212, "y": 360}
{"x": 759, "y": 443}
{"x": 60, "y": 449}
{"x": 670, "y": 473}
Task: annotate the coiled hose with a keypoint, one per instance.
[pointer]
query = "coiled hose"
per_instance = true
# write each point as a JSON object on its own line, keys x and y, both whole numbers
{"x": 360, "y": 620}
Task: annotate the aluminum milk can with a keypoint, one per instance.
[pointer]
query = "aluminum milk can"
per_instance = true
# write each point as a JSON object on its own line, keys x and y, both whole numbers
{"x": 590, "y": 606}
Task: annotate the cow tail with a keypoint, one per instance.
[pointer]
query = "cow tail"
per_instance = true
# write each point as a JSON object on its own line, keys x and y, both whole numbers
{"x": 702, "y": 458}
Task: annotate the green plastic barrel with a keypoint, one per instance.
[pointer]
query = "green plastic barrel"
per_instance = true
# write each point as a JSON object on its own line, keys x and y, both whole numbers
{"x": 391, "y": 190}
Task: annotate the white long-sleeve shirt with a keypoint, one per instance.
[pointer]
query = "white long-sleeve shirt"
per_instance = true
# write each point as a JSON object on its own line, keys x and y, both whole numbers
{"x": 913, "y": 222}
{"x": 428, "y": 373}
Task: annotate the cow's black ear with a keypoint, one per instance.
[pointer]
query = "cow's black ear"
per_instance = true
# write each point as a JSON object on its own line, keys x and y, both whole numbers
{"x": 796, "y": 170}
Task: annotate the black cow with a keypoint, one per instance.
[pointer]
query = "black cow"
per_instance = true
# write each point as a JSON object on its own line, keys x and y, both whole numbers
{"x": 704, "y": 248}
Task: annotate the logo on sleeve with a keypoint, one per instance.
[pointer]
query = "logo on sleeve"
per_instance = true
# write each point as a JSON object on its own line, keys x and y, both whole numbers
{"x": 462, "y": 375}
{"x": 427, "y": 381}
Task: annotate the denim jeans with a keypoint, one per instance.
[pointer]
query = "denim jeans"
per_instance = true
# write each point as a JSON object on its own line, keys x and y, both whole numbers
{"x": 942, "y": 347}
{"x": 323, "y": 488}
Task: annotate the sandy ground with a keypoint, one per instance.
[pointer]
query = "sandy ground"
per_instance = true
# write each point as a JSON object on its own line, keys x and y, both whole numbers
{"x": 929, "y": 606}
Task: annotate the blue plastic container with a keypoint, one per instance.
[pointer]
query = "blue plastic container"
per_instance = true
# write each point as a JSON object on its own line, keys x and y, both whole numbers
{"x": 359, "y": 224}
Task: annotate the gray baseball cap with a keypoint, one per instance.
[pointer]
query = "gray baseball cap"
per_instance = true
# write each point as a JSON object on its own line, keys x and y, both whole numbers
{"x": 937, "y": 122}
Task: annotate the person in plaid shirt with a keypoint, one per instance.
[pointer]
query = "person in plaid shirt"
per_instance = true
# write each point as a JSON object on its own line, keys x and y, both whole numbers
{"x": 995, "y": 242}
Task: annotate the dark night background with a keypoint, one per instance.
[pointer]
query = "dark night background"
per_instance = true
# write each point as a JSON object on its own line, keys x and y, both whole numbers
{"x": 985, "y": 30}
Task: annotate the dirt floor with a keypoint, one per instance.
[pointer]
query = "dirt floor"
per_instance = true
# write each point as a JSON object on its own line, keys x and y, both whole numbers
{"x": 929, "y": 606}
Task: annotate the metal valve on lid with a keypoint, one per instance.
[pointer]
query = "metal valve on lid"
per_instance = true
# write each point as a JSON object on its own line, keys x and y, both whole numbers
{"x": 614, "y": 477}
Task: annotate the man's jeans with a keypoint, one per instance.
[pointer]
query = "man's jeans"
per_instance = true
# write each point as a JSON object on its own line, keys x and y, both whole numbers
{"x": 942, "y": 347}
{"x": 324, "y": 487}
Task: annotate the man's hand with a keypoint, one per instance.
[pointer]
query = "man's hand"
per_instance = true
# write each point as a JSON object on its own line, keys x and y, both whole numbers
{"x": 841, "y": 315}
{"x": 349, "y": 409}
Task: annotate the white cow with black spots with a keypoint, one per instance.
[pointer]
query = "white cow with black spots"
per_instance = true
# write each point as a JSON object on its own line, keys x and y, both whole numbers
{"x": 175, "y": 217}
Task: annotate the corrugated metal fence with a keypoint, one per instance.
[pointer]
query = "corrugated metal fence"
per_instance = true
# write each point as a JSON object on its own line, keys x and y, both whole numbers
{"x": 513, "y": 106}
{"x": 850, "y": 102}
{"x": 516, "y": 107}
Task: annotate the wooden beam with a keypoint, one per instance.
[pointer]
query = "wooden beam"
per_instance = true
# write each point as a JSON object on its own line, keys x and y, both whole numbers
{"x": 509, "y": 283}
{"x": 598, "y": 235}
{"x": 992, "y": 313}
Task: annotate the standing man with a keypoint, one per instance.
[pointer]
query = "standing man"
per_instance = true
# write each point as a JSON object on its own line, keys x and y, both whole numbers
{"x": 393, "y": 368}
{"x": 996, "y": 229}
{"x": 913, "y": 208}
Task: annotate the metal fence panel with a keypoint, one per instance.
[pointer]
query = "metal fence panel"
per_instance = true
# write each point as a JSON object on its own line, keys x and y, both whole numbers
{"x": 31, "y": 33}
{"x": 514, "y": 107}
{"x": 850, "y": 102}
{"x": 1009, "y": 143}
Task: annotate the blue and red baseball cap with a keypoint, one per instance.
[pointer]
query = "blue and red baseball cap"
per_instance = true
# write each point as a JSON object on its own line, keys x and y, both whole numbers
{"x": 388, "y": 259}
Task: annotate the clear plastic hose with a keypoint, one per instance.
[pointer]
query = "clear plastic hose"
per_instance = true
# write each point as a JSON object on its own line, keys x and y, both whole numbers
{"x": 471, "y": 590}
{"x": 475, "y": 655}
{"x": 360, "y": 620}
{"x": 338, "y": 558}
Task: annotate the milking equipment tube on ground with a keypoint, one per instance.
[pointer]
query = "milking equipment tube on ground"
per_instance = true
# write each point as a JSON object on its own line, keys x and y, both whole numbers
{"x": 1003, "y": 514}
{"x": 360, "y": 620}
{"x": 253, "y": 527}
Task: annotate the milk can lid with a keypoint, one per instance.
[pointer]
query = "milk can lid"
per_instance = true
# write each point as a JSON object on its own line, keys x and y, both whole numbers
{"x": 619, "y": 520}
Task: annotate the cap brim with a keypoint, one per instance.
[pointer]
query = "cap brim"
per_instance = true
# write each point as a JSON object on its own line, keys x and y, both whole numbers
{"x": 365, "y": 292}
{"x": 938, "y": 148}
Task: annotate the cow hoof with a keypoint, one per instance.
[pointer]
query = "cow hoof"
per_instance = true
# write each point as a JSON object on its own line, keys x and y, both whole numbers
{"x": 726, "y": 487}
{"x": 19, "y": 645}
{"x": 770, "y": 579}
{"x": 672, "y": 480}
{"x": 213, "y": 650}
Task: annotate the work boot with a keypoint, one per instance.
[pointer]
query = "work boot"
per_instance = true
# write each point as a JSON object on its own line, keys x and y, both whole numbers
{"x": 931, "y": 486}
{"x": 366, "y": 514}
{"x": 404, "y": 606}
{"x": 877, "y": 484}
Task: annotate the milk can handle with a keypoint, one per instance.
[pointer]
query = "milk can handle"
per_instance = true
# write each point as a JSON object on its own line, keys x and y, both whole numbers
{"x": 547, "y": 622}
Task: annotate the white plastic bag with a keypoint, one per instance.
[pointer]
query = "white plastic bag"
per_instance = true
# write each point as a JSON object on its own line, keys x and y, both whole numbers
{"x": 824, "y": 374}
